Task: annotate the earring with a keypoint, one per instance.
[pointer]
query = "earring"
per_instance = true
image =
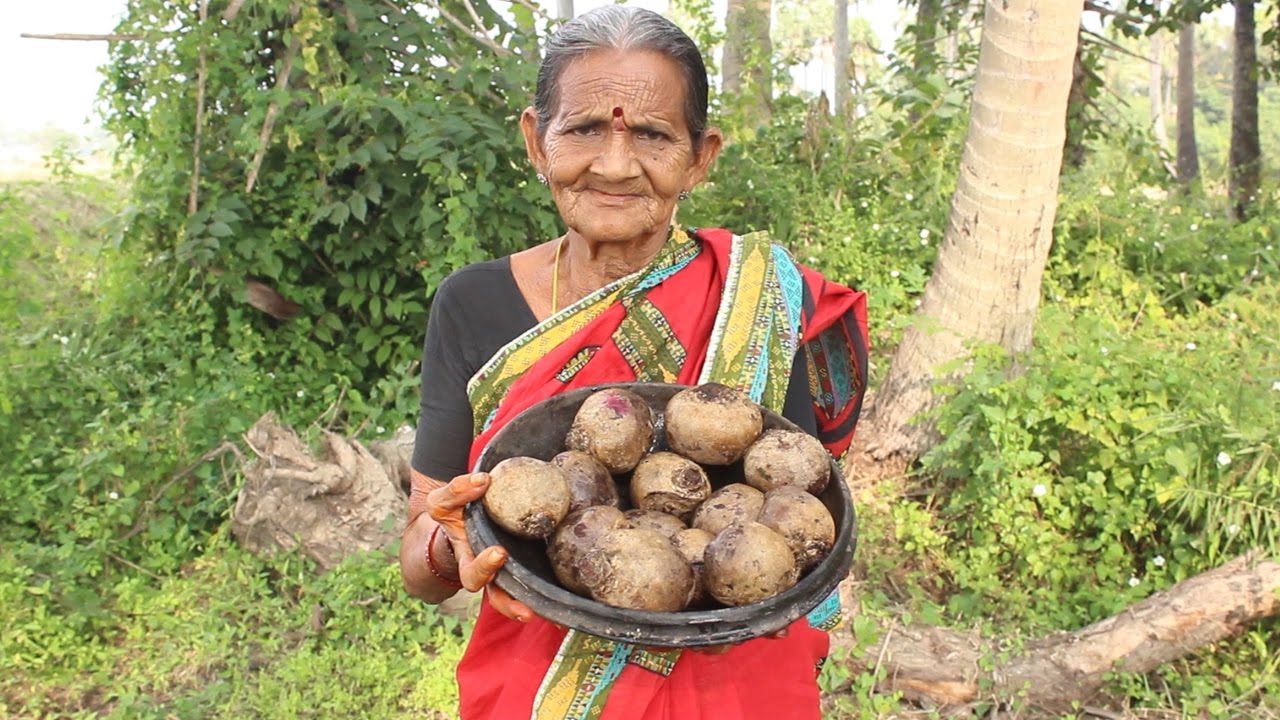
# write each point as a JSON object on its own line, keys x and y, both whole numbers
{"x": 684, "y": 195}
{"x": 542, "y": 179}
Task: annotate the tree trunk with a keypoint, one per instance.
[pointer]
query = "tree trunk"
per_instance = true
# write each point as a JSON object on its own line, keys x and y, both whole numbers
{"x": 926, "y": 34}
{"x": 985, "y": 285}
{"x": 747, "y": 64}
{"x": 842, "y": 57}
{"x": 1246, "y": 152}
{"x": 1078, "y": 103}
{"x": 1155, "y": 90}
{"x": 925, "y": 31}
{"x": 564, "y": 9}
{"x": 1188, "y": 155}
{"x": 946, "y": 667}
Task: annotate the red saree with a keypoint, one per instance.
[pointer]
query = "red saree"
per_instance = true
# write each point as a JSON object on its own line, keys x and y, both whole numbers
{"x": 710, "y": 307}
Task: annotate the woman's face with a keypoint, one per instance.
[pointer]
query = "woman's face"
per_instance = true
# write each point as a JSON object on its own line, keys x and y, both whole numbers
{"x": 617, "y": 152}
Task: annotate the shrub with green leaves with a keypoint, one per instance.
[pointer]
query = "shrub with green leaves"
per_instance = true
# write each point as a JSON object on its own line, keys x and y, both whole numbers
{"x": 381, "y": 145}
{"x": 1126, "y": 456}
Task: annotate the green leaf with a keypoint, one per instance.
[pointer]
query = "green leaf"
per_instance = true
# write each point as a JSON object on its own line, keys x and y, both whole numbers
{"x": 358, "y": 206}
{"x": 1178, "y": 459}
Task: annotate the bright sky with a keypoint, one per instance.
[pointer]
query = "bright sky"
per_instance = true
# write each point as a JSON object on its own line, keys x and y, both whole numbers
{"x": 52, "y": 82}
{"x": 55, "y": 82}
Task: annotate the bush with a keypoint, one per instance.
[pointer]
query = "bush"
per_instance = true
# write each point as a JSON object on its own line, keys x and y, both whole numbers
{"x": 1123, "y": 458}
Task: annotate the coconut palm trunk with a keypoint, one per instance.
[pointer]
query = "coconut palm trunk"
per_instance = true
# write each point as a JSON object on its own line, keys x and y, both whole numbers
{"x": 1188, "y": 154}
{"x": 840, "y": 96}
{"x": 1245, "y": 154}
{"x": 1155, "y": 89}
{"x": 748, "y": 50}
{"x": 985, "y": 285}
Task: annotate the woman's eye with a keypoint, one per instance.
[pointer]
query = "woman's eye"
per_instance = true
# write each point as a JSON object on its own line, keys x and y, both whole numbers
{"x": 585, "y": 130}
{"x": 650, "y": 135}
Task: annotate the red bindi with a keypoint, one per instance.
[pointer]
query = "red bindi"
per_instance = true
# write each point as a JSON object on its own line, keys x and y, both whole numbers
{"x": 618, "y": 122}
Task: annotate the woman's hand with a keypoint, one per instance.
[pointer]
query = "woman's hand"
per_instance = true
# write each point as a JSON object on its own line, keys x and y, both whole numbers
{"x": 442, "y": 504}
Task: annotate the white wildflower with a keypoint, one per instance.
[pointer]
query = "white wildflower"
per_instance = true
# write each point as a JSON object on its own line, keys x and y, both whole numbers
{"x": 1224, "y": 459}
{"x": 1194, "y": 227}
{"x": 909, "y": 197}
{"x": 863, "y": 204}
{"x": 924, "y": 233}
{"x": 271, "y": 375}
{"x": 1191, "y": 346}
{"x": 894, "y": 273}
{"x": 113, "y": 495}
{"x": 1275, "y": 385}
{"x": 1158, "y": 245}
{"x": 924, "y": 242}
{"x": 1158, "y": 561}
{"x": 63, "y": 339}
{"x": 1039, "y": 490}
{"x": 1223, "y": 258}
{"x": 1134, "y": 582}
{"x": 302, "y": 393}
{"x": 381, "y": 429}
{"x": 1104, "y": 350}
{"x": 1105, "y": 191}
{"x": 875, "y": 226}
{"x": 750, "y": 184}
{"x": 1232, "y": 529}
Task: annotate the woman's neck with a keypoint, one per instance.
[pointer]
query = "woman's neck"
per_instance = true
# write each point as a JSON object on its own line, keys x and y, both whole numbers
{"x": 588, "y": 266}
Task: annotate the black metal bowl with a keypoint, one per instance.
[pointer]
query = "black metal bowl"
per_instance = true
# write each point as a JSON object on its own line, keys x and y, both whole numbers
{"x": 539, "y": 432}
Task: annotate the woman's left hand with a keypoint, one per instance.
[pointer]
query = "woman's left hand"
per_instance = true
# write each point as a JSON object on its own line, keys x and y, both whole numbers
{"x": 444, "y": 505}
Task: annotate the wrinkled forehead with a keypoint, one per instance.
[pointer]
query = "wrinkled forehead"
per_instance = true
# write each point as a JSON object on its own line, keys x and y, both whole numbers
{"x": 640, "y": 83}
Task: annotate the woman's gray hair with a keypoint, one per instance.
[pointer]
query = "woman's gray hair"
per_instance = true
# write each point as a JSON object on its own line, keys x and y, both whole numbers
{"x": 615, "y": 27}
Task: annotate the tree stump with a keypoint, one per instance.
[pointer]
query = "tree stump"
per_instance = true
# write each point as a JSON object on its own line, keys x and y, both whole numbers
{"x": 327, "y": 506}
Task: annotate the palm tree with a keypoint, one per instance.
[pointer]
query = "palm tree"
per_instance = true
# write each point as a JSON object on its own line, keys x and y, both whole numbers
{"x": 985, "y": 285}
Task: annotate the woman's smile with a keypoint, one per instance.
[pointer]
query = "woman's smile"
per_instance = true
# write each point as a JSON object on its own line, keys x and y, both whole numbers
{"x": 604, "y": 197}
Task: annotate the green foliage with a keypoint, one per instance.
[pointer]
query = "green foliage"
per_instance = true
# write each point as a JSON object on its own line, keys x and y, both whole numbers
{"x": 391, "y": 158}
{"x": 1110, "y": 466}
{"x": 236, "y": 637}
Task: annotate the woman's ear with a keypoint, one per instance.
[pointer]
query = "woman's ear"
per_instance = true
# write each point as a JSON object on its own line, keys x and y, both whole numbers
{"x": 532, "y": 140}
{"x": 708, "y": 151}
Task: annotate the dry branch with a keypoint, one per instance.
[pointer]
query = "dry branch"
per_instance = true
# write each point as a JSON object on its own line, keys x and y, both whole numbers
{"x": 111, "y": 37}
{"x": 943, "y": 667}
{"x": 233, "y": 9}
{"x": 202, "y": 77}
{"x": 268, "y": 122}
{"x": 478, "y": 36}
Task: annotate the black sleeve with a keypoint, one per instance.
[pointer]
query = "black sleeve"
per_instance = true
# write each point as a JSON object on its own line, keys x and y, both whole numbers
{"x": 798, "y": 404}
{"x": 445, "y": 426}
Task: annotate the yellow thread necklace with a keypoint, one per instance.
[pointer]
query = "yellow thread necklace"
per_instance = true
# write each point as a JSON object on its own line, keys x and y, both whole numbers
{"x": 555, "y": 277}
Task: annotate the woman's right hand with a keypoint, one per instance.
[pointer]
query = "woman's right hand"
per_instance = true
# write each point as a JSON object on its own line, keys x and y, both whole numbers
{"x": 443, "y": 503}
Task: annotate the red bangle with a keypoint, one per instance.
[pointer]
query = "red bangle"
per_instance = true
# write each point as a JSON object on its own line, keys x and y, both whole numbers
{"x": 431, "y": 562}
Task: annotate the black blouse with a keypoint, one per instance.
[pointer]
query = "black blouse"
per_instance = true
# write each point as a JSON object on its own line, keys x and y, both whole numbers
{"x": 476, "y": 312}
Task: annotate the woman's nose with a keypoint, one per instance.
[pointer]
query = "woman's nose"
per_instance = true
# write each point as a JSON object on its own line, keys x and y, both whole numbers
{"x": 617, "y": 159}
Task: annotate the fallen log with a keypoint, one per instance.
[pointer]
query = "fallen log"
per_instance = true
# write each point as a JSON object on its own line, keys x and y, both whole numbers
{"x": 945, "y": 667}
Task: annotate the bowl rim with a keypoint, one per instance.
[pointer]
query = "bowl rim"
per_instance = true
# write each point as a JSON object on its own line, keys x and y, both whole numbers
{"x": 714, "y": 626}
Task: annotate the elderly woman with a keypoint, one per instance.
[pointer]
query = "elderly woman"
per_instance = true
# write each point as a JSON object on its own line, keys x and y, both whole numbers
{"x": 618, "y": 133}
